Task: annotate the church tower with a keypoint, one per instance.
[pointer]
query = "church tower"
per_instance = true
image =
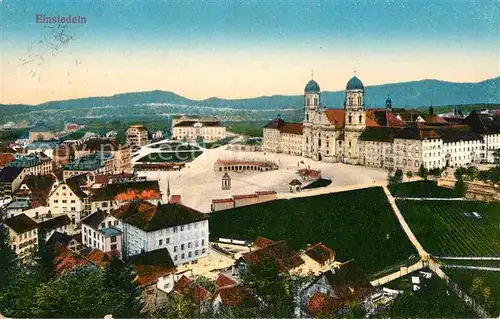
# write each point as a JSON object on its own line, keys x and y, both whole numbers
{"x": 312, "y": 95}
{"x": 354, "y": 107}
{"x": 311, "y": 100}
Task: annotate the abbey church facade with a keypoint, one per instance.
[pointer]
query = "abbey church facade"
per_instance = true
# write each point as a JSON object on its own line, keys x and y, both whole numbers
{"x": 381, "y": 137}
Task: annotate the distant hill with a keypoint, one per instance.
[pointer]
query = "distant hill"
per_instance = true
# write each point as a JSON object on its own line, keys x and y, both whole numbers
{"x": 405, "y": 94}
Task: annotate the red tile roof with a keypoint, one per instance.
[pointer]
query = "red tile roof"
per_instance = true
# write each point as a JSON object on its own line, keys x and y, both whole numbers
{"x": 243, "y": 196}
{"x": 199, "y": 293}
{"x": 65, "y": 259}
{"x": 175, "y": 199}
{"x": 262, "y": 242}
{"x": 222, "y": 200}
{"x": 336, "y": 117}
{"x": 234, "y": 295}
{"x": 100, "y": 258}
{"x": 292, "y": 128}
{"x": 277, "y": 252}
{"x": 321, "y": 304}
{"x": 149, "y": 274}
{"x": 265, "y": 192}
{"x": 320, "y": 253}
{"x": 6, "y": 158}
{"x": 224, "y": 281}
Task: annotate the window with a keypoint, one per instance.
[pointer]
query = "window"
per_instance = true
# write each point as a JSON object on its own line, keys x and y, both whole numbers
{"x": 116, "y": 223}
{"x": 109, "y": 223}
{"x": 113, "y": 247}
{"x": 203, "y": 242}
{"x": 73, "y": 201}
{"x": 64, "y": 201}
{"x": 175, "y": 258}
{"x": 182, "y": 247}
{"x": 190, "y": 254}
{"x": 160, "y": 242}
{"x": 56, "y": 201}
{"x": 196, "y": 252}
{"x": 103, "y": 225}
{"x": 64, "y": 187}
{"x": 203, "y": 251}
{"x": 189, "y": 245}
{"x": 183, "y": 256}
{"x": 167, "y": 240}
{"x": 113, "y": 239}
{"x": 104, "y": 204}
{"x": 175, "y": 248}
{"x": 182, "y": 228}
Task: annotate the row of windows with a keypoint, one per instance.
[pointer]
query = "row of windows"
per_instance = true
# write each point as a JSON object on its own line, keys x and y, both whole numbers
{"x": 64, "y": 201}
{"x": 189, "y": 254}
{"x": 115, "y": 223}
{"x": 182, "y": 246}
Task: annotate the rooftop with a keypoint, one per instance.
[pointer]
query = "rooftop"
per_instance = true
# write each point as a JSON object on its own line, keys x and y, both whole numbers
{"x": 149, "y": 217}
{"x": 21, "y": 223}
{"x": 90, "y": 162}
{"x": 110, "y": 231}
{"x": 95, "y": 219}
{"x": 277, "y": 252}
{"x": 127, "y": 191}
{"x": 55, "y": 222}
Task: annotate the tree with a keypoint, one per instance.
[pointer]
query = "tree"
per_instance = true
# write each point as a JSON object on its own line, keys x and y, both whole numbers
{"x": 397, "y": 177}
{"x": 184, "y": 305}
{"x": 472, "y": 173}
{"x": 122, "y": 290}
{"x": 422, "y": 172}
{"x": 9, "y": 266}
{"x": 74, "y": 294}
{"x": 43, "y": 258}
{"x": 276, "y": 289}
{"x": 459, "y": 172}
{"x": 460, "y": 187}
{"x": 409, "y": 174}
{"x": 496, "y": 156}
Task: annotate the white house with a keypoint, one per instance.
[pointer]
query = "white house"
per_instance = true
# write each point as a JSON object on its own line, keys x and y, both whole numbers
{"x": 69, "y": 198}
{"x": 23, "y": 235}
{"x": 98, "y": 234}
{"x": 147, "y": 227}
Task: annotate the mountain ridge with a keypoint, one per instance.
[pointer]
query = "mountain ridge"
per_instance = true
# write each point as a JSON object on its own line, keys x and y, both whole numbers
{"x": 418, "y": 93}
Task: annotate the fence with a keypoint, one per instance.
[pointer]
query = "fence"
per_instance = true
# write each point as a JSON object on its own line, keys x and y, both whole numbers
{"x": 479, "y": 309}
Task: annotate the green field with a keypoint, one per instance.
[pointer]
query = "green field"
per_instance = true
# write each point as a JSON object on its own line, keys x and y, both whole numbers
{"x": 482, "y": 286}
{"x": 434, "y": 300}
{"x": 443, "y": 229}
{"x": 170, "y": 157}
{"x": 356, "y": 224}
{"x": 418, "y": 189}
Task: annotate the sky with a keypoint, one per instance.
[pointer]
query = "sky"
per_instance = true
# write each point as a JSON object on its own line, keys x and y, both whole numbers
{"x": 237, "y": 49}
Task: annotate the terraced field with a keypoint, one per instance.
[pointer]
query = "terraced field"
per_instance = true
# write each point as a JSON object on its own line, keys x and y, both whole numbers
{"x": 448, "y": 228}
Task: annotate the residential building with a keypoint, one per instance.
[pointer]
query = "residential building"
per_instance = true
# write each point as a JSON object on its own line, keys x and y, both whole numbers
{"x": 69, "y": 198}
{"x": 121, "y": 153}
{"x": 23, "y": 235}
{"x": 40, "y": 133}
{"x": 97, "y": 234}
{"x": 10, "y": 180}
{"x": 61, "y": 224}
{"x": 71, "y": 242}
{"x": 137, "y": 135}
{"x": 34, "y": 164}
{"x": 96, "y": 163}
{"x": 147, "y": 227}
{"x": 36, "y": 188}
{"x": 198, "y": 130}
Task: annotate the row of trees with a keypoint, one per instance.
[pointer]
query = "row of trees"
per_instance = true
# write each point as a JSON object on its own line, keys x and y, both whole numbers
{"x": 34, "y": 290}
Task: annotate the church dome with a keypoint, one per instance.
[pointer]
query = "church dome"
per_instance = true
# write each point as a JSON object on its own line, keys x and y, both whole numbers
{"x": 355, "y": 84}
{"x": 312, "y": 87}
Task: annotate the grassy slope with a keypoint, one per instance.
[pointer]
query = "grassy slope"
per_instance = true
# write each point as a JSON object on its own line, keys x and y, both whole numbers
{"x": 442, "y": 228}
{"x": 490, "y": 279}
{"x": 357, "y": 224}
{"x": 420, "y": 189}
{"x": 432, "y": 301}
